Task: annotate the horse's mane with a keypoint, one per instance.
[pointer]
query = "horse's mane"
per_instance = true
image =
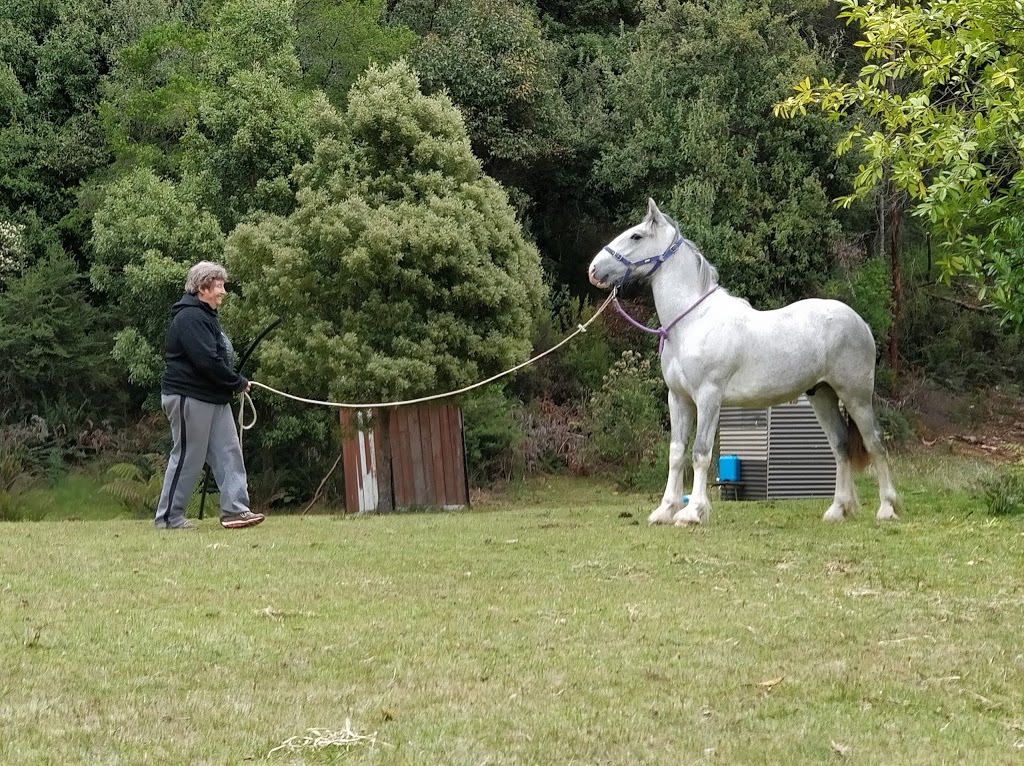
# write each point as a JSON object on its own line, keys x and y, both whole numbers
{"x": 707, "y": 274}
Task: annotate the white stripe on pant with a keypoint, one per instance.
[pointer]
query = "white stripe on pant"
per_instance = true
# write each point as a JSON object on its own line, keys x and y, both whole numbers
{"x": 202, "y": 433}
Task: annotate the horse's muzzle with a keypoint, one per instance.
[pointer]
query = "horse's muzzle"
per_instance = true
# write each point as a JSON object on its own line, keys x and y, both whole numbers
{"x": 592, "y": 274}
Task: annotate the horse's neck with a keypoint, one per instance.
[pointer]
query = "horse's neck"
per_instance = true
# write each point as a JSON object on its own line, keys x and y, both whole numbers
{"x": 676, "y": 288}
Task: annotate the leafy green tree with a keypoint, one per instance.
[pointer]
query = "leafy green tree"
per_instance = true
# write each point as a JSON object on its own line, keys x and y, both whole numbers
{"x": 145, "y": 237}
{"x": 54, "y": 344}
{"x": 208, "y": 120}
{"x": 940, "y": 106}
{"x": 52, "y": 55}
{"x": 493, "y": 60}
{"x": 691, "y": 125}
{"x": 217, "y": 106}
{"x": 402, "y": 270}
{"x": 589, "y": 16}
{"x": 338, "y": 39}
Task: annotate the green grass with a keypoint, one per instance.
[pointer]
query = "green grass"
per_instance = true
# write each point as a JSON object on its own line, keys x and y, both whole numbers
{"x": 75, "y": 496}
{"x": 549, "y": 625}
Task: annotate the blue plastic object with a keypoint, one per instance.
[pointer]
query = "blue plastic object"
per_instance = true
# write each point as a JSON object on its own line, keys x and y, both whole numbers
{"x": 728, "y": 468}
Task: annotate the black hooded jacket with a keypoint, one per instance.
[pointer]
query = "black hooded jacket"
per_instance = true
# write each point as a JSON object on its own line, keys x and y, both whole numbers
{"x": 198, "y": 355}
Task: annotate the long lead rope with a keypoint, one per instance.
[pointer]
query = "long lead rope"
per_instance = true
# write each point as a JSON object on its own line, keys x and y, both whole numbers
{"x": 247, "y": 400}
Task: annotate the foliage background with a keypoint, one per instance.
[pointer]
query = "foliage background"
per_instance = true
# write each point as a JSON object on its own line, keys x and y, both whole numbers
{"x": 416, "y": 188}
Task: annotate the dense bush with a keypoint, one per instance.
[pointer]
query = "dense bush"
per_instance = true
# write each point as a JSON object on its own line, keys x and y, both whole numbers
{"x": 865, "y": 288}
{"x": 492, "y": 434}
{"x": 626, "y": 417}
{"x": 54, "y": 343}
{"x": 553, "y": 437}
{"x": 1004, "y": 494}
{"x": 577, "y": 368}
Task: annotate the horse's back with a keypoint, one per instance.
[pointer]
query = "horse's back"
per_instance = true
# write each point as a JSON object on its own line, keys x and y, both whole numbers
{"x": 826, "y": 321}
{"x": 766, "y": 357}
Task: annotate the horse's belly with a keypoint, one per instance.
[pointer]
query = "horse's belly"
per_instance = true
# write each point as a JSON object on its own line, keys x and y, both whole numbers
{"x": 767, "y": 390}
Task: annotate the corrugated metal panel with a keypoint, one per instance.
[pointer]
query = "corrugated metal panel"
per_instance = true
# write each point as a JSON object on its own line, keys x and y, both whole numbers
{"x": 800, "y": 461}
{"x": 428, "y": 465}
{"x": 744, "y": 433}
{"x": 783, "y": 451}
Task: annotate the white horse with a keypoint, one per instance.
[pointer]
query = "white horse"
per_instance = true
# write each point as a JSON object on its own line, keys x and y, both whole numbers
{"x": 717, "y": 350}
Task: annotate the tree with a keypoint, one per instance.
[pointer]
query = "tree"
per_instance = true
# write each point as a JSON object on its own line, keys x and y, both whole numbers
{"x": 691, "y": 125}
{"x": 494, "y": 62}
{"x": 215, "y": 105}
{"x": 207, "y": 120}
{"x": 339, "y": 39}
{"x": 948, "y": 136}
{"x": 402, "y": 271}
{"x": 145, "y": 237}
{"x": 55, "y": 346}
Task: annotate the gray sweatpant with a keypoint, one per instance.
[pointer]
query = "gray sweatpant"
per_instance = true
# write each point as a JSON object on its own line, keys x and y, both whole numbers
{"x": 202, "y": 433}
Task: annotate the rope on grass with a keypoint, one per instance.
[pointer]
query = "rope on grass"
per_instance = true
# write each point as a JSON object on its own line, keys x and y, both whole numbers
{"x": 320, "y": 739}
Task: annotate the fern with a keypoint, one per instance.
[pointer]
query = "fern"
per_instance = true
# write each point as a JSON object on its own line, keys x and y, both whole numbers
{"x": 139, "y": 488}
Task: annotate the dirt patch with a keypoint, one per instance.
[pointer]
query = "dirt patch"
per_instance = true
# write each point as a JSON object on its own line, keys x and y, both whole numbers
{"x": 988, "y": 424}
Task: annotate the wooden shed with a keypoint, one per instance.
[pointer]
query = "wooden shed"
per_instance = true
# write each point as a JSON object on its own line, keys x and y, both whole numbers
{"x": 782, "y": 450}
{"x": 428, "y": 459}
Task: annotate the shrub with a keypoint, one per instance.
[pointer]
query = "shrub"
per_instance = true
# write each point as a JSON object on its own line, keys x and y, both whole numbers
{"x": 52, "y": 341}
{"x": 626, "y": 417}
{"x": 492, "y": 434}
{"x": 650, "y": 473}
{"x": 17, "y": 447}
{"x": 866, "y": 290}
{"x": 138, "y": 487}
{"x": 553, "y": 437}
{"x": 1004, "y": 494}
{"x": 575, "y": 370}
{"x": 896, "y": 428}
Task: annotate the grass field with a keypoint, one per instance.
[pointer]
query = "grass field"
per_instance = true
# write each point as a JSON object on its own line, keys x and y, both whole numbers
{"x": 548, "y": 625}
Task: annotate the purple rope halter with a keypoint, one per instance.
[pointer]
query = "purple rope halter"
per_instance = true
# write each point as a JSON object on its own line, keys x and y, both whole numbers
{"x": 662, "y": 332}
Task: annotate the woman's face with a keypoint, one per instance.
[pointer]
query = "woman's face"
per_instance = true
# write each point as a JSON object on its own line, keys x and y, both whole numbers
{"x": 213, "y": 293}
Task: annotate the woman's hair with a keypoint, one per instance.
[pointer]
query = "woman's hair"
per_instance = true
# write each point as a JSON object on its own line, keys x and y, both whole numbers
{"x": 202, "y": 275}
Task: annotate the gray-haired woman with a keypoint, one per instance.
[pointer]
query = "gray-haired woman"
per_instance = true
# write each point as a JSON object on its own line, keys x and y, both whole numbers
{"x": 196, "y": 392}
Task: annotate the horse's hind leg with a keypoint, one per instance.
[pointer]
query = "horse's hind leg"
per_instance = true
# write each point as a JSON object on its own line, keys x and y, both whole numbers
{"x": 682, "y": 413}
{"x": 863, "y": 414}
{"x": 826, "y": 408}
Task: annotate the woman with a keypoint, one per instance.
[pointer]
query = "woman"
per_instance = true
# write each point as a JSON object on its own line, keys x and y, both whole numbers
{"x": 197, "y": 387}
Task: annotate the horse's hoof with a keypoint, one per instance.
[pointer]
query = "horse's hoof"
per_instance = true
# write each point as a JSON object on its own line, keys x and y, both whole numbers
{"x": 661, "y": 516}
{"x": 684, "y": 519}
{"x": 887, "y": 514}
{"x": 835, "y": 513}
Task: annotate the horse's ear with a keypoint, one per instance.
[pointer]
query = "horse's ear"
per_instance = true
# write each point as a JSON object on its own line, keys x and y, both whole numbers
{"x": 652, "y": 211}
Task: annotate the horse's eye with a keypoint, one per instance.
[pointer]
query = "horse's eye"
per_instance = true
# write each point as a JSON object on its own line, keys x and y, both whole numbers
{"x": 637, "y": 236}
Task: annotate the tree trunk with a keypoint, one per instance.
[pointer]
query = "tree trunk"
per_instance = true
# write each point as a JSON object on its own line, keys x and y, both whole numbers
{"x": 385, "y": 484}
{"x": 896, "y": 274}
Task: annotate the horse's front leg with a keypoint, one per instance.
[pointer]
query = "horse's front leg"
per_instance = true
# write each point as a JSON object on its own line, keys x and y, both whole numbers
{"x": 681, "y": 412}
{"x": 709, "y": 405}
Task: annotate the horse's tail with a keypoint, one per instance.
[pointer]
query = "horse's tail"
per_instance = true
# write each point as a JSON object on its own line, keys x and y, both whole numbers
{"x": 859, "y": 457}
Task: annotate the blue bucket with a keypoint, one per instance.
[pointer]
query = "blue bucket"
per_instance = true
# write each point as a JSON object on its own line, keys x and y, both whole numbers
{"x": 728, "y": 468}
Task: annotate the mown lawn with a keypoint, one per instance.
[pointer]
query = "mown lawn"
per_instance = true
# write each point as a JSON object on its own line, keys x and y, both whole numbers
{"x": 548, "y": 625}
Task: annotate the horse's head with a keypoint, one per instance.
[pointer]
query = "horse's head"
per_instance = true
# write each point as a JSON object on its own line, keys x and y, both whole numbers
{"x": 637, "y": 252}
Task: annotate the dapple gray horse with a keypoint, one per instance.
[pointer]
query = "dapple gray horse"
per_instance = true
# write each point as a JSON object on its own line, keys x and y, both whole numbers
{"x": 717, "y": 350}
